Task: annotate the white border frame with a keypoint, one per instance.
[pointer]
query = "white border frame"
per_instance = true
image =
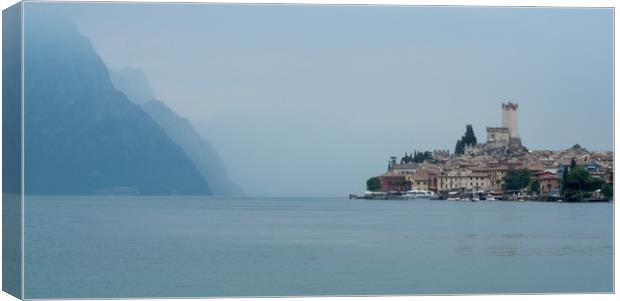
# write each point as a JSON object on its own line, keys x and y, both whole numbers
{"x": 504, "y": 3}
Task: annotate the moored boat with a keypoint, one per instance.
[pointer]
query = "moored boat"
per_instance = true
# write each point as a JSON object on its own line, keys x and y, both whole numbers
{"x": 418, "y": 194}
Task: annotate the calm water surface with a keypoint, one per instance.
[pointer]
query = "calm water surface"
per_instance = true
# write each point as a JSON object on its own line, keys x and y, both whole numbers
{"x": 190, "y": 247}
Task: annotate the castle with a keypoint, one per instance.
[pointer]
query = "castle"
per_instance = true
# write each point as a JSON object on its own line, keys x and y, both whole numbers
{"x": 501, "y": 139}
{"x": 484, "y": 166}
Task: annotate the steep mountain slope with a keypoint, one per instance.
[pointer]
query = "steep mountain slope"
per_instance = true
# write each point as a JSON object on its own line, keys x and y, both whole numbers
{"x": 82, "y": 136}
{"x": 133, "y": 82}
{"x": 200, "y": 151}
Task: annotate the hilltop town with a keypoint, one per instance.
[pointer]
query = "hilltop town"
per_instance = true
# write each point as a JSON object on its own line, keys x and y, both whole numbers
{"x": 499, "y": 168}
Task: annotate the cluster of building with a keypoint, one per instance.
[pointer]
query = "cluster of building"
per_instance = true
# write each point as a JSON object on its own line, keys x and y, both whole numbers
{"x": 483, "y": 166}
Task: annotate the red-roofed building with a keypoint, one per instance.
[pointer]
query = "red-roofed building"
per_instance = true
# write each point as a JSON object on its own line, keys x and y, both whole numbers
{"x": 391, "y": 182}
{"x": 548, "y": 182}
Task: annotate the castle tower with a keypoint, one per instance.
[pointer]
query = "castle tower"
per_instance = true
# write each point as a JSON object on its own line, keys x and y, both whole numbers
{"x": 510, "y": 118}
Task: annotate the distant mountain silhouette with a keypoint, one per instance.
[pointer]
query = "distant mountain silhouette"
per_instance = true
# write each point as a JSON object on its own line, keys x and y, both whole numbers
{"x": 179, "y": 129}
{"x": 133, "y": 83}
{"x": 82, "y": 136}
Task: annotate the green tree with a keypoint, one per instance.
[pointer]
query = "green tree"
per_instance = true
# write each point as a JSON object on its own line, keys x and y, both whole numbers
{"x": 468, "y": 139}
{"x": 427, "y": 155}
{"x": 406, "y": 159}
{"x": 607, "y": 190}
{"x": 534, "y": 186}
{"x": 564, "y": 179}
{"x": 419, "y": 157}
{"x": 593, "y": 184}
{"x": 580, "y": 184}
{"x": 373, "y": 184}
{"x": 459, "y": 149}
{"x": 516, "y": 179}
{"x": 573, "y": 164}
{"x": 575, "y": 183}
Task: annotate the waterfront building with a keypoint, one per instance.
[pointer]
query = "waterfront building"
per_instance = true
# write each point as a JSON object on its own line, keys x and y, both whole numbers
{"x": 548, "y": 183}
{"x": 392, "y": 182}
{"x": 419, "y": 180}
{"x": 477, "y": 182}
{"x": 463, "y": 180}
{"x": 449, "y": 181}
{"x": 432, "y": 185}
{"x": 484, "y": 166}
{"x": 496, "y": 177}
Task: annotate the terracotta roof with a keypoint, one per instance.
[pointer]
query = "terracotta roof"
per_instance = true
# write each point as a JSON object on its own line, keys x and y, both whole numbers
{"x": 546, "y": 175}
{"x": 420, "y": 177}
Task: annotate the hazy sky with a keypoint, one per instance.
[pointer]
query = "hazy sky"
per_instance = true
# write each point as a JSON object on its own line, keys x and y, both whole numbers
{"x": 312, "y": 100}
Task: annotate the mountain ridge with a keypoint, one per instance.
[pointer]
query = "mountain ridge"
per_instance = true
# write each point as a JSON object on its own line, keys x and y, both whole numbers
{"x": 202, "y": 153}
{"x": 83, "y": 136}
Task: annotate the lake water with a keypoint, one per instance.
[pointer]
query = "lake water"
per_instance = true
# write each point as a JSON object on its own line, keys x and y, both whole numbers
{"x": 101, "y": 247}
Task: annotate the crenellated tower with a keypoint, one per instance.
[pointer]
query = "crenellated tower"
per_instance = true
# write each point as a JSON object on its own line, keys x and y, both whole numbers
{"x": 505, "y": 138}
{"x": 510, "y": 118}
